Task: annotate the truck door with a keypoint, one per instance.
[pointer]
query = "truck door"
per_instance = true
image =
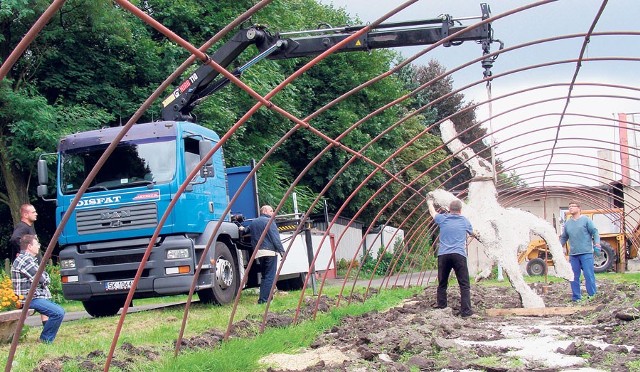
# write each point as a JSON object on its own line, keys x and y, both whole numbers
{"x": 247, "y": 203}
{"x": 204, "y": 198}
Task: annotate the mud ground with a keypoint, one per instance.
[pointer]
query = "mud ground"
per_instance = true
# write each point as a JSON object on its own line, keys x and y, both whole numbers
{"x": 414, "y": 336}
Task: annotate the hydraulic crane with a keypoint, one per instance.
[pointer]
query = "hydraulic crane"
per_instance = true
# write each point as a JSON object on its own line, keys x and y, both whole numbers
{"x": 202, "y": 83}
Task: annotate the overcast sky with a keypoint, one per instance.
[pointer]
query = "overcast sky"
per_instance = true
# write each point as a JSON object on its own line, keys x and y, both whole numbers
{"x": 557, "y": 18}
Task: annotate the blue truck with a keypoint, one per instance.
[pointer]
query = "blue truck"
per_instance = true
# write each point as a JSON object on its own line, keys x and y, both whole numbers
{"x": 106, "y": 236}
{"x": 110, "y": 229}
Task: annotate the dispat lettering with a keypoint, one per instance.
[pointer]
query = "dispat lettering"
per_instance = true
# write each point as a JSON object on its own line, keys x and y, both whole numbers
{"x": 99, "y": 201}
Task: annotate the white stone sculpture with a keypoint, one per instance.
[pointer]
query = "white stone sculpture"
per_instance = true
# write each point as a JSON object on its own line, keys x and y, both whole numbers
{"x": 503, "y": 232}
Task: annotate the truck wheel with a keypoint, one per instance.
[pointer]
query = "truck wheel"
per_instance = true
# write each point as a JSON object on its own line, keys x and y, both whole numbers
{"x": 604, "y": 262}
{"x": 537, "y": 266}
{"x": 225, "y": 278}
{"x": 103, "y": 307}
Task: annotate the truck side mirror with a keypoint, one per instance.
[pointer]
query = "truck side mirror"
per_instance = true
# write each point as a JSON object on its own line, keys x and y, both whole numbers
{"x": 43, "y": 177}
{"x": 204, "y": 146}
{"x": 43, "y": 172}
{"x": 42, "y": 190}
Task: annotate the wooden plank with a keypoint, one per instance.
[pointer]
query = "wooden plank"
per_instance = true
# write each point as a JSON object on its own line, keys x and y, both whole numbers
{"x": 539, "y": 311}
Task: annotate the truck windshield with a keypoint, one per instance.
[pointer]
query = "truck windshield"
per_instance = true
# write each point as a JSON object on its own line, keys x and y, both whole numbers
{"x": 131, "y": 164}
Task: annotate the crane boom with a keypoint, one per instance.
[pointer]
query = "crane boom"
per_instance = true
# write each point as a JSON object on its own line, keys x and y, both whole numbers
{"x": 201, "y": 83}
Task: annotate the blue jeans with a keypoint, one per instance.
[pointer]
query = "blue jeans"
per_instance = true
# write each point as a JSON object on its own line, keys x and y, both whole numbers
{"x": 55, "y": 314}
{"x": 582, "y": 262}
{"x": 269, "y": 267}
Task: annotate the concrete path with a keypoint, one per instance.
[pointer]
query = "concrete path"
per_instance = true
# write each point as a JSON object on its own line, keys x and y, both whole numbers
{"x": 34, "y": 320}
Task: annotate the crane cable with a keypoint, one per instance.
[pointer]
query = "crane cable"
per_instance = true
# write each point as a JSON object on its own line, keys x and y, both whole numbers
{"x": 492, "y": 138}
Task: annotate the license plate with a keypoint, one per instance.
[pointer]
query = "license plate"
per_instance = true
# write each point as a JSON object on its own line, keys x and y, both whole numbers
{"x": 118, "y": 286}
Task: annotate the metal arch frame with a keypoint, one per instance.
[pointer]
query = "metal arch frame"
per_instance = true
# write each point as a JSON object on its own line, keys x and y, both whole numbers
{"x": 417, "y": 231}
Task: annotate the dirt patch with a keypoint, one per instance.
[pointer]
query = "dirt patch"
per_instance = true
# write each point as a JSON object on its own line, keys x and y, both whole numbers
{"x": 414, "y": 335}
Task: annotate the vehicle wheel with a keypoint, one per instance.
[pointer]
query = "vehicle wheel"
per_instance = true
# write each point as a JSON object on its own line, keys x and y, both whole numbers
{"x": 226, "y": 278}
{"x": 537, "y": 266}
{"x": 103, "y": 307}
{"x": 604, "y": 262}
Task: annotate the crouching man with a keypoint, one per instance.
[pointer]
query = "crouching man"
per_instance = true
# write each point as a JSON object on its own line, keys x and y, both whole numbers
{"x": 23, "y": 270}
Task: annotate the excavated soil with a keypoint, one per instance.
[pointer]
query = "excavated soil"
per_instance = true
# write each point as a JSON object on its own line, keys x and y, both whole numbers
{"x": 414, "y": 336}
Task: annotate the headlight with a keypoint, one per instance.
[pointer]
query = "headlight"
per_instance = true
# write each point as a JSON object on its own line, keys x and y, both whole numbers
{"x": 68, "y": 264}
{"x": 172, "y": 254}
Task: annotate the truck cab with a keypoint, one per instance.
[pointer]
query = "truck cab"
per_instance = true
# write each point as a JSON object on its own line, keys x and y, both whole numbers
{"x": 107, "y": 234}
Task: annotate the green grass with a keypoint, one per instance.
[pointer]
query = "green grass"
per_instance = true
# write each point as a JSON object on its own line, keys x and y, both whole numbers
{"x": 157, "y": 330}
{"x": 620, "y": 277}
{"x": 633, "y": 278}
{"x": 634, "y": 366}
{"x": 496, "y": 361}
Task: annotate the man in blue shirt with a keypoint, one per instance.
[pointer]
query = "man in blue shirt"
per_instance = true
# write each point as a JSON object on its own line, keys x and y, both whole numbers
{"x": 267, "y": 252}
{"x": 582, "y": 235}
{"x": 452, "y": 254}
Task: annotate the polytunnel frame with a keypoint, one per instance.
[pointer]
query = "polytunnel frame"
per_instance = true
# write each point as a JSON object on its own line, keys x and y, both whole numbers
{"x": 565, "y": 99}
{"x": 332, "y": 143}
{"x": 351, "y": 159}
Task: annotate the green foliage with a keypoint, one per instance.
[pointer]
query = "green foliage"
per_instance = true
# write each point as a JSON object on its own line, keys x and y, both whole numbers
{"x": 96, "y": 63}
{"x": 421, "y": 258}
{"x": 273, "y": 182}
{"x": 345, "y": 266}
{"x": 511, "y": 179}
{"x": 55, "y": 287}
{"x": 383, "y": 262}
{"x": 402, "y": 260}
{"x": 29, "y": 124}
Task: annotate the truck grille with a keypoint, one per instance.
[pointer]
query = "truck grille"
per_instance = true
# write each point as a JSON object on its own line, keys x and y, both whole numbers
{"x": 117, "y": 259}
{"x": 128, "y": 217}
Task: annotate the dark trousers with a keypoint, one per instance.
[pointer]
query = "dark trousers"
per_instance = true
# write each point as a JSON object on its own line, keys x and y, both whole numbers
{"x": 269, "y": 267}
{"x": 458, "y": 263}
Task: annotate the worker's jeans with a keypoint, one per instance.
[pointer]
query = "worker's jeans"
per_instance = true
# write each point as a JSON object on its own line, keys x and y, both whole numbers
{"x": 55, "y": 313}
{"x": 269, "y": 266}
{"x": 582, "y": 262}
{"x": 458, "y": 263}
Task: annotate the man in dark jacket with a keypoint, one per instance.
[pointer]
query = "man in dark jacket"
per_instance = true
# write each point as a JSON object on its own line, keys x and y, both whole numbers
{"x": 267, "y": 252}
{"x": 28, "y": 216}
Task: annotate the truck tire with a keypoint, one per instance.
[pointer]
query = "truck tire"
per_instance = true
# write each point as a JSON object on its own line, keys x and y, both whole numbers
{"x": 225, "y": 278}
{"x": 103, "y": 307}
{"x": 537, "y": 266}
{"x": 604, "y": 262}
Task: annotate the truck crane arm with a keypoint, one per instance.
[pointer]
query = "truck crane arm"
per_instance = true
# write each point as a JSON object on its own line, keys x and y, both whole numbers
{"x": 202, "y": 83}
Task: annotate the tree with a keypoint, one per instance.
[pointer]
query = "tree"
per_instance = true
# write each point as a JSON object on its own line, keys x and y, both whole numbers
{"x": 94, "y": 64}
{"x": 81, "y": 72}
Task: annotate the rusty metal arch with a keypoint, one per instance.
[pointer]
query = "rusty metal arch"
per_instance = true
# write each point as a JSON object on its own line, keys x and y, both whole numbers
{"x": 417, "y": 231}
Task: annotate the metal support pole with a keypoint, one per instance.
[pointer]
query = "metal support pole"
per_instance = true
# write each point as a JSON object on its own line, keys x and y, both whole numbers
{"x": 312, "y": 268}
